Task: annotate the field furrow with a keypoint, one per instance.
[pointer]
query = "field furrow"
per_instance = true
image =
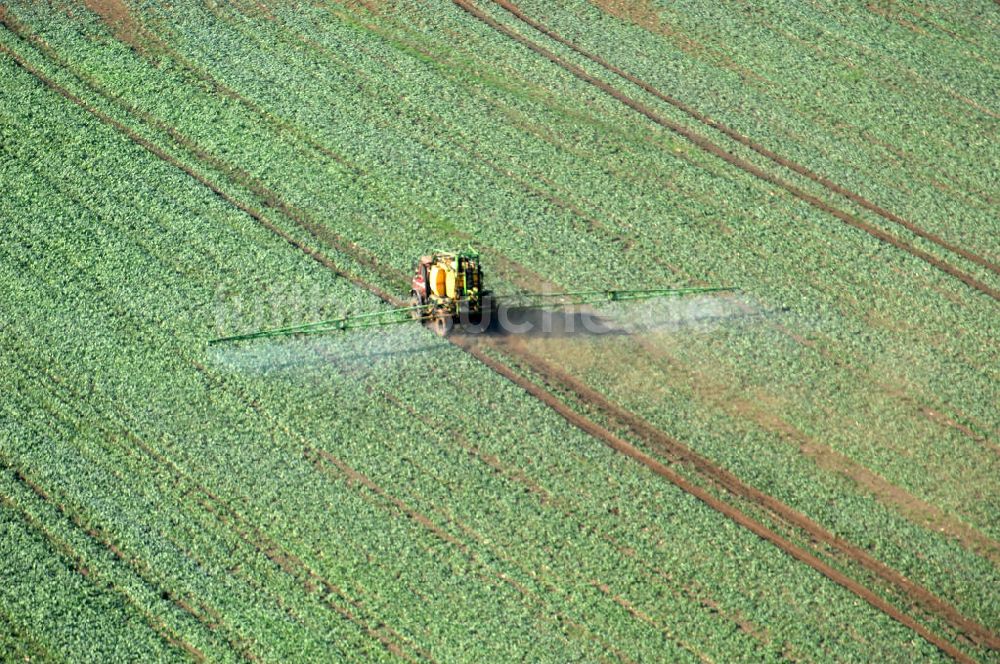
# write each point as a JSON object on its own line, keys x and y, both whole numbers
{"x": 802, "y": 469}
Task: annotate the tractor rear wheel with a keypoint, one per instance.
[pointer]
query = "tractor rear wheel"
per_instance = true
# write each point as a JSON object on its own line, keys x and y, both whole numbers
{"x": 442, "y": 324}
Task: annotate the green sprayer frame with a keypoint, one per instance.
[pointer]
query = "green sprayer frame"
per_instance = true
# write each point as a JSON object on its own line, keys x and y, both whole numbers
{"x": 404, "y": 314}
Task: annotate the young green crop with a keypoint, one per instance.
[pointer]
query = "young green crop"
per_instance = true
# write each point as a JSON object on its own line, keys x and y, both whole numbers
{"x": 376, "y": 495}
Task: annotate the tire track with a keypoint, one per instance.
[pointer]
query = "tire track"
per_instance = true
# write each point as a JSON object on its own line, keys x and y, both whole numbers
{"x": 916, "y": 510}
{"x": 325, "y": 462}
{"x": 548, "y": 500}
{"x": 158, "y": 626}
{"x": 554, "y": 197}
{"x": 545, "y": 498}
{"x": 270, "y": 198}
{"x": 136, "y": 138}
{"x": 515, "y": 11}
{"x": 712, "y": 148}
{"x": 547, "y": 397}
{"x": 734, "y": 514}
{"x": 675, "y": 450}
{"x": 895, "y": 497}
{"x": 251, "y": 535}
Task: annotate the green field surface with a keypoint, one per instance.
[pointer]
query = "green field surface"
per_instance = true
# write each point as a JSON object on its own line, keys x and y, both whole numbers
{"x": 804, "y": 469}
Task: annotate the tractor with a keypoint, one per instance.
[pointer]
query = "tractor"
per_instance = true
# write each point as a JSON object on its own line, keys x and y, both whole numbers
{"x": 448, "y": 286}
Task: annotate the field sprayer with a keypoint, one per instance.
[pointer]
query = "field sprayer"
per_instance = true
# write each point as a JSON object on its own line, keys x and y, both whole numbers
{"x": 448, "y": 286}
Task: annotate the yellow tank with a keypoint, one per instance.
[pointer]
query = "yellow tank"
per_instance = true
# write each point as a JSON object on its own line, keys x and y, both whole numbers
{"x": 439, "y": 280}
{"x": 445, "y": 281}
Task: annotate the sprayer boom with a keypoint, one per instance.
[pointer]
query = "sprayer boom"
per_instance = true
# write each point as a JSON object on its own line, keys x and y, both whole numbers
{"x": 572, "y": 298}
{"x": 349, "y": 322}
{"x": 448, "y": 286}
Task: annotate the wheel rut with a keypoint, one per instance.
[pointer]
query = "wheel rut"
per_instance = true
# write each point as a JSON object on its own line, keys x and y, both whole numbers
{"x": 725, "y": 480}
{"x": 716, "y": 150}
{"x": 974, "y": 632}
{"x": 790, "y": 164}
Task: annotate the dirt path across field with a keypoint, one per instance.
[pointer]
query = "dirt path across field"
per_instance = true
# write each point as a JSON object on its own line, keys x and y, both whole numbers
{"x": 515, "y": 11}
{"x": 676, "y": 450}
{"x": 716, "y": 150}
{"x": 727, "y": 510}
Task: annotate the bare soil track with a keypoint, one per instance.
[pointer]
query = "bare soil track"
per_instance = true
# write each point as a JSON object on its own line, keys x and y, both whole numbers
{"x": 716, "y": 150}
{"x": 350, "y": 609}
{"x": 675, "y": 450}
{"x": 286, "y": 562}
{"x": 515, "y": 11}
{"x": 919, "y": 595}
{"x": 759, "y": 529}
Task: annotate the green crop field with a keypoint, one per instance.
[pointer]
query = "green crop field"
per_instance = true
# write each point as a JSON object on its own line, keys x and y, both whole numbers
{"x": 806, "y": 468}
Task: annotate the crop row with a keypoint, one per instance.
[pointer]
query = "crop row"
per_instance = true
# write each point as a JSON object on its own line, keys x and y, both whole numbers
{"x": 846, "y": 106}
{"x": 51, "y": 609}
{"x": 894, "y": 299}
{"x": 242, "y": 434}
{"x": 387, "y": 229}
